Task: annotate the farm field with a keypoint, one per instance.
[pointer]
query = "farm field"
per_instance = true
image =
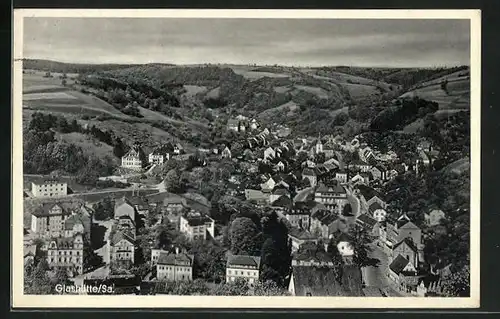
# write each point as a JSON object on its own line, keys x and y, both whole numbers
{"x": 89, "y": 145}
{"x": 249, "y": 73}
{"x": 319, "y": 92}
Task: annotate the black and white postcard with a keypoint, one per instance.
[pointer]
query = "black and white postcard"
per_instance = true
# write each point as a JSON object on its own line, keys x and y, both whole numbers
{"x": 246, "y": 158}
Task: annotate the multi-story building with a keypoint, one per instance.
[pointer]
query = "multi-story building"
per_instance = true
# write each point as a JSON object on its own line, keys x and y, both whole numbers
{"x": 242, "y": 267}
{"x": 49, "y": 188}
{"x": 333, "y": 197}
{"x": 174, "y": 267}
{"x": 298, "y": 217}
{"x": 48, "y": 219}
{"x": 196, "y": 226}
{"x": 67, "y": 253}
{"x": 123, "y": 207}
{"x": 122, "y": 247}
{"x": 299, "y": 237}
{"x": 159, "y": 155}
{"x": 132, "y": 160}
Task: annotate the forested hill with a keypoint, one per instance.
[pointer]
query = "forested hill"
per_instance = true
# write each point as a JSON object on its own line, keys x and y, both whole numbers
{"x": 308, "y": 100}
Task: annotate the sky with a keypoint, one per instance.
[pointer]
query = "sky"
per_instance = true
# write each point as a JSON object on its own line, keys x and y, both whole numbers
{"x": 299, "y": 42}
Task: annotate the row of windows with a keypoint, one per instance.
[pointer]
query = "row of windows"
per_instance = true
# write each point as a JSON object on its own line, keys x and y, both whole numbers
{"x": 65, "y": 260}
{"x": 172, "y": 268}
{"x": 182, "y": 277}
{"x": 240, "y": 272}
{"x": 65, "y": 252}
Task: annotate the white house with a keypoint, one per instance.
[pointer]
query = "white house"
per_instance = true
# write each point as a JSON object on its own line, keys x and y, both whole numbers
{"x": 132, "y": 160}
{"x": 244, "y": 267}
{"x": 269, "y": 153}
{"x": 341, "y": 176}
{"x": 158, "y": 156}
{"x": 49, "y": 188}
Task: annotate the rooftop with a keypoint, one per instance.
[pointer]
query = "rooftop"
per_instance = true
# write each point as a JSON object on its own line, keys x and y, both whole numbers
{"x": 398, "y": 264}
{"x": 181, "y": 259}
{"x": 243, "y": 260}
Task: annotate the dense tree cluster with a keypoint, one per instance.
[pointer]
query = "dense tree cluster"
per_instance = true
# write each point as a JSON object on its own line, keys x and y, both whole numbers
{"x": 398, "y": 116}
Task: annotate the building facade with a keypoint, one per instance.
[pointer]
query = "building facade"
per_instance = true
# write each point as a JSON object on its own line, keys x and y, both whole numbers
{"x": 49, "y": 188}
{"x": 132, "y": 160}
{"x": 197, "y": 226}
{"x": 174, "y": 267}
{"x": 66, "y": 253}
{"x": 243, "y": 267}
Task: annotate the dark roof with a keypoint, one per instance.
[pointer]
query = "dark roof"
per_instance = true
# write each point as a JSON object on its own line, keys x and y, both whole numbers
{"x": 359, "y": 162}
{"x": 175, "y": 259}
{"x": 398, "y": 264}
{"x": 367, "y": 192}
{"x": 374, "y": 206}
{"x": 337, "y": 189}
{"x": 308, "y": 172}
{"x": 280, "y": 191}
{"x": 47, "y": 181}
{"x": 367, "y": 220}
{"x": 283, "y": 201}
{"x": 316, "y": 281}
{"x": 410, "y": 244}
{"x": 122, "y": 234}
{"x": 66, "y": 208}
{"x": 301, "y": 234}
{"x": 63, "y": 242}
{"x": 78, "y": 218}
{"x": 196, "y": 219}
{"x": 243, "y": 260}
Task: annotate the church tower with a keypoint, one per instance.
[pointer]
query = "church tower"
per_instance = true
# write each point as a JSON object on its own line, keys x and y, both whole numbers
{"x": 319, "y": 145}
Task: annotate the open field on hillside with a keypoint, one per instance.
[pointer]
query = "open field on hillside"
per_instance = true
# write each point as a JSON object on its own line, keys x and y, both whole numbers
{"x": 360, "y": 91}
{"x": 454, "y": 99}
{"x": 319, "y": 92}
{"x": 249, "y": 73}
{"x": 89, "y": 144}
{"x": 35, "y": 81}
{"x": 192, "y": 90}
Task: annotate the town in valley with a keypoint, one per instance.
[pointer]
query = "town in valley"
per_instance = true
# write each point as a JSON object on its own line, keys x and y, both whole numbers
{"x": 246, "y": 180}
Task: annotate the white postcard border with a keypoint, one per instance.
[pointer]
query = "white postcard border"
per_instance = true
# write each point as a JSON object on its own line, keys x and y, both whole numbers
{"x": 19, "y": 300}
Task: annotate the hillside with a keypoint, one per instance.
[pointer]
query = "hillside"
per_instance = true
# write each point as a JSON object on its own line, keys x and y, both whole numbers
{"x": 171, "y": 97}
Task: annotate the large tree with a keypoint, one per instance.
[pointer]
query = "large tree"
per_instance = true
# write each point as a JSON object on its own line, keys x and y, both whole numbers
{"x": 245, "y": 237}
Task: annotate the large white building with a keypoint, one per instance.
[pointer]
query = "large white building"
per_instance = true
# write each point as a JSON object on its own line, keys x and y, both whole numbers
{"x": 243, "y": 267}
{"x": 174, "y": 267}
{"x": 49, "y": 188}
{"x": 132, "y": 160}
{"x": 66, "y": 253}
{"x": 197, "y": 226}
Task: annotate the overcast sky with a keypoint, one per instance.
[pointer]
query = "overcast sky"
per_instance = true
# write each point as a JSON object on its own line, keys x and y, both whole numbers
{"x": 312, "y": 42}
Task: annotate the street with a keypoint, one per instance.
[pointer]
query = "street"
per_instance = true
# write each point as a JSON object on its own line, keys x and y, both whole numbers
{"x": 376, "y": 276}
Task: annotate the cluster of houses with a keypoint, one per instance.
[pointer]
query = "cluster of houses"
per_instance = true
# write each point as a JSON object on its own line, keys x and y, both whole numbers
{"x": 160, "y": 154}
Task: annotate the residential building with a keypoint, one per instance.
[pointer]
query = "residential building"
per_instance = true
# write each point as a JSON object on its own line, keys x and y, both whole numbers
{"x": 379, "y": 172}
{"x": 379, "y": 214}
{"x": 269, "y": 154}
{"x": 233, "y": 125}
{"x": 256, "y": 196}
{"x": 325, "y": 223}
{"x": 361, "y": 165}
{"x": 360, "y": 179}
{"x": 49, "y": 188}
{"x": 282, "y": 204}
{"x": 408, "y": 250}
{"x": 47, "y": 220}
{"x": 123, "y": 207}
{"x": 277, "y": 193}
{"x": 298, "y": 217}
{"x": 178, "y": 149}
{"x": 268, "y": 185}
{"x": 309, "y": 254}
{"x": 434, "y": 217}
{"x": 226, "y": 153}
{"x": 345, "y": 247}
{"x": 197, "y": 226}
{"x": 132, "y": 160}
{"x": 299, "y": 237}
{"x": 280, "y": 166}
{"x": 66, "y": 253}
{"x": 254, "y": 124}
{"x": 333, "y": 197}
{"x": 430, "y": 285}
{"x": 401, "y": 269}
{"x": 174, "y": 267}
{"x": 370, "y": 224}
{"x": 159, "y": 155}
{"x": 341, "y": 177}
{"x": 122, "y": 247}
{"x": 310, "y": 174}
{"x": 77, "y": 223}
{"x": 242, "y": 267}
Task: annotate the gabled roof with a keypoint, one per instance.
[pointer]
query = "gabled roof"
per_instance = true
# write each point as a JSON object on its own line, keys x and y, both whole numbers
{"x": 175, "y": 259}
{"x": 197, "y": 219}
{"x": 409, "y": 225}
{"x": 337, "y": 225}
{"x": 301, "y": 234}
{"x": 121, "y": 201}
{"x": 398, "y": 264}
{"x": 337, "y": 189}
{"x": 281, "y": 191}
{"x": 74, "y": 219}
{"x": 243, "y": 260}
{"x": 374, "y": 206}
{"x": 283, "y": 201}
{"x": 308, "y": 172}
{"x": 122, "y": 234}
{"x": 66, "y": 208}
{"x": 367, "y": 220}
{"x": 408, "y": 242}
